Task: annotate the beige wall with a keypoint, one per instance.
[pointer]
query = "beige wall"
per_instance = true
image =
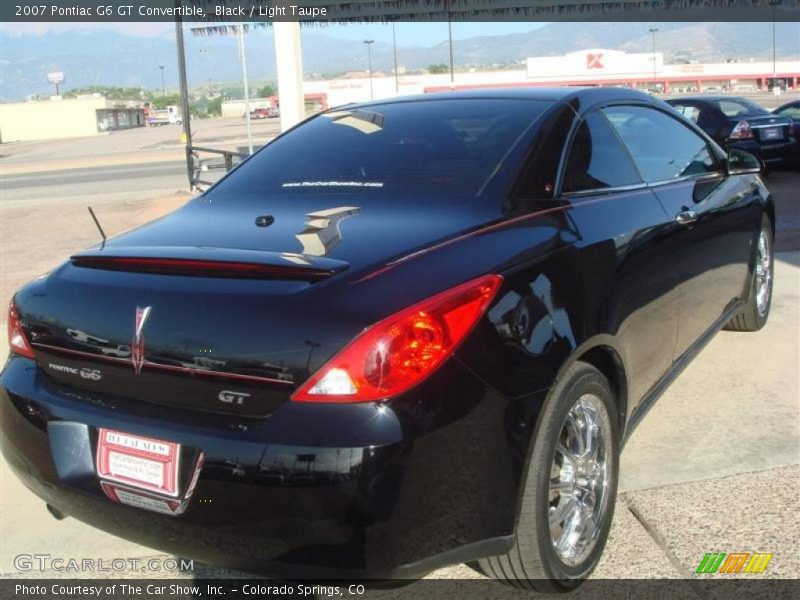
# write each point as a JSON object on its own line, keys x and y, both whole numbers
{"x": 50, "y": 119}
{"x": 235, "y": 108}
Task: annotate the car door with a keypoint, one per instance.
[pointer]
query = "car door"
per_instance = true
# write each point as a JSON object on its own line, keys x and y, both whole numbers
{"x": 713, "y": 216}
{"x": 629, "y": 279}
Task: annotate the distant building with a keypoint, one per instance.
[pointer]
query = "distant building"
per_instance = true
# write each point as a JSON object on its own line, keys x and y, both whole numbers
{"x": 236, "y": 108}
{"x": 66, "y": 118}
{"x": 596, "y": 67}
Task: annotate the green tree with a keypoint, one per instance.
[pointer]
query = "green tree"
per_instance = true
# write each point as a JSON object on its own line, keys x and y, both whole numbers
{"x": 438, "y": 69}
{"x": 110, "y": 92}
{"x": 265, "y": 92}
{"x": 215, "y": 107}
{"x": 165, "y": 101}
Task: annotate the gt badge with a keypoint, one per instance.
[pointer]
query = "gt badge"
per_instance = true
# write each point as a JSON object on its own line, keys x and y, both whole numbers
{"x": 229, "y": 397}
{"x": 137, "y": 345}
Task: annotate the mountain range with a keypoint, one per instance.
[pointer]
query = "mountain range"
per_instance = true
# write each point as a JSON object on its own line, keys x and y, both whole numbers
{"x": 102, "y": 57}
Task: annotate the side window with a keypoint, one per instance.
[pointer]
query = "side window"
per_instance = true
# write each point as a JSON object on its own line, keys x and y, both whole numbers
{"x": 690, "y": 112}
{"x": 662, "y": 147}
{"x": 597, "y": 159}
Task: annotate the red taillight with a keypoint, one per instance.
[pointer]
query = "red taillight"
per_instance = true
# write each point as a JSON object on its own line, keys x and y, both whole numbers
{"x": 16, "y": 336}
{"x": 742, "y": 131}
{"x": 400, "y": 351}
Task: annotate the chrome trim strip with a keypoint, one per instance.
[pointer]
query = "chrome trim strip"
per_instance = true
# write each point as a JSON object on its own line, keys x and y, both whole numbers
{"x": 160, "y": 366}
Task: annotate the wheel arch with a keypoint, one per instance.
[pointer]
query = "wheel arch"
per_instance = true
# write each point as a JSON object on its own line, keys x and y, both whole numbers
{"x": 601, "y": 352}
{"x": 769, "y": 209}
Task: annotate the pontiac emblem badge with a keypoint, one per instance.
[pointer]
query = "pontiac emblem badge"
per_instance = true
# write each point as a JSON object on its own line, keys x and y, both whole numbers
{"x": 137, "y": 346}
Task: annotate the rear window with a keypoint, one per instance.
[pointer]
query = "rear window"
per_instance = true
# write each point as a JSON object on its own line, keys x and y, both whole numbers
{"x": 437, "y": 147}
{"x": 690, "y": 112}
{"x": 740, "y": 107}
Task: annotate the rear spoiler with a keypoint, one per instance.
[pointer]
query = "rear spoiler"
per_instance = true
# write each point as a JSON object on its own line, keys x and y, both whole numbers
{"x": 228, "y": 263}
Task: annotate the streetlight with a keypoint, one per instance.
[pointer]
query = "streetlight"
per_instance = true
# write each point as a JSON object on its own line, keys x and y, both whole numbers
{"x": 450, "y": 37}
{"x": 369, "y": 58}
{"x": 774, "y": 4}
{"x": 243, "y": 60}
{"x": 163, "y": 93}
{"x": 653, "y": 30}
{"x": 396, "y": 75}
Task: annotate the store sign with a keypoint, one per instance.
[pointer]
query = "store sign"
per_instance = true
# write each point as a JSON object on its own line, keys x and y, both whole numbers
{"x": 594, "y": 61}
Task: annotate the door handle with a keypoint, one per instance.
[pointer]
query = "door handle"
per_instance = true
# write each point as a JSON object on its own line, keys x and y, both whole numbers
{"x": 686, "y": 217}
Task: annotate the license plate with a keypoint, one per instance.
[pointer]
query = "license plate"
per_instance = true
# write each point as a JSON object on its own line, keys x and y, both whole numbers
{"x": 771, "y": 133}
{"x": 137, "y": 499}
{"x": 138, "y": 462}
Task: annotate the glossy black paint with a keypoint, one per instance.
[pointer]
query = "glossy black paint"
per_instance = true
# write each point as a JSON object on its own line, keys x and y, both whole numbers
{"x": 378, "y": 489}
{"x": 782, "y": 152}
{"x": 791, "y": 110}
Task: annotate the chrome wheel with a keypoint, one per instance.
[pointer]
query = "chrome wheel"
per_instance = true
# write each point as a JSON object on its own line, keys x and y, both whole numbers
{"x": 579, "y": 480}
{"x": 763, "y": 272}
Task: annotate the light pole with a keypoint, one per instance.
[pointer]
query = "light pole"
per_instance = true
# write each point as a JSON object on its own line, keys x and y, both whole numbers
{"x": 243, "y": 60}
{"x": 369, "y": 58}
{"x": 653, "y": 30}
{"x": 774, "y": 4}
{"x": 163, "y": 93}
{"x": 450, "y": 37}
{"x": 396, "y": 75}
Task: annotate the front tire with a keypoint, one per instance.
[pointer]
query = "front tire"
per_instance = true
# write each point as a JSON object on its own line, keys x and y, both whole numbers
{"x": 755, "y": 313}
{"x": 569, "y": 489}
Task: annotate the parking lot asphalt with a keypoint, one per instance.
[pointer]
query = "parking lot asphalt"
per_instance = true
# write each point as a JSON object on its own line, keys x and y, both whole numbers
{"x": 131, "y": 146}
{"x": 713, "y": 467}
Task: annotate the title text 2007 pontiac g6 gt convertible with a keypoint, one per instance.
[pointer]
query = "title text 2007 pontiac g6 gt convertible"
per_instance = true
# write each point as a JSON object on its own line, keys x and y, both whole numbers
{"x": 404, "y": 334}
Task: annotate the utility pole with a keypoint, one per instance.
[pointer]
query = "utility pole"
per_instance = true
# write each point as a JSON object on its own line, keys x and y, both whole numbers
{"x": 396, "y": 75}
{"x": 369, "y": 57}
{"x": 653, "y": 30}
{"x": 243, "y": 59}
{"x": 163, "y": 93}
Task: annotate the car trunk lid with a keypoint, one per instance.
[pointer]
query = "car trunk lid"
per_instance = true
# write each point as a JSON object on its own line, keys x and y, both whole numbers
{"x": 207, "y": 310}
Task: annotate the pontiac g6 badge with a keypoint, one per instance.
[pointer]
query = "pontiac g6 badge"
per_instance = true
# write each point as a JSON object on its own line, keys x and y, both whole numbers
{"x": 137, "y": 345}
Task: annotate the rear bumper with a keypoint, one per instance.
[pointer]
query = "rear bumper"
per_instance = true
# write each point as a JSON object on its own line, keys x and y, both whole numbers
{"x": 774, "y": 155}
{"x": 313, "y": 491}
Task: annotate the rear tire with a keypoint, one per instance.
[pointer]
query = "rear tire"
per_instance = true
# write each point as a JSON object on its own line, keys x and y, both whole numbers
{"x": 569, "y": 489}
{"x": 755, "y": 312}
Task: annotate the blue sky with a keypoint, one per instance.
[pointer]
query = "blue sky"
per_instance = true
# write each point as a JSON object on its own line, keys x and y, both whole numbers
{"x": 425, "y": 34}
{"x": 408, "y": 34}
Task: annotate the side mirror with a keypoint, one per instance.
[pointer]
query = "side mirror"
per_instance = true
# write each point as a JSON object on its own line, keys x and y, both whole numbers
{"x": 741, "y": 161}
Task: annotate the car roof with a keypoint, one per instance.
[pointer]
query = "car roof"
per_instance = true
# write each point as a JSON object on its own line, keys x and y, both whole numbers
{"x": 598, "y": 94}
{"x": 708, "y": 98}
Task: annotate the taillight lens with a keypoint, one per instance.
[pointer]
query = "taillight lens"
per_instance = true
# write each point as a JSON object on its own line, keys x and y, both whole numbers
{"x": 402, "y": 350}
{"x": 16, "y": 336}
{"x": 742, "y": 131}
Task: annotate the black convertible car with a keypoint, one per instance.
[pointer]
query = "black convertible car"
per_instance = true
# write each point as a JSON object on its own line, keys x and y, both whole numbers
{"x": 404, "y": 334}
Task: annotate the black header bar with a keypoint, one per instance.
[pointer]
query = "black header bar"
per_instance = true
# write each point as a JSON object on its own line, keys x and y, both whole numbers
{"x": 324, "y": 11}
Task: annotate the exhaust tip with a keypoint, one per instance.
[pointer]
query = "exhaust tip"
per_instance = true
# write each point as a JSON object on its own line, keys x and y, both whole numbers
{"x": 57, "y": 514}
